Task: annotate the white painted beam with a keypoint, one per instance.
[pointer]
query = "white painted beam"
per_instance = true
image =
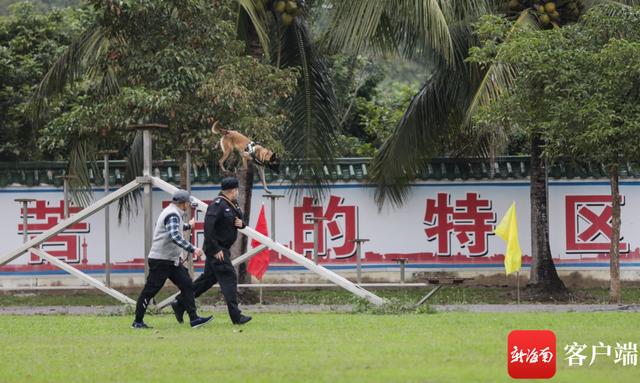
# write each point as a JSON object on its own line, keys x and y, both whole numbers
{"x": 80, "y": 275}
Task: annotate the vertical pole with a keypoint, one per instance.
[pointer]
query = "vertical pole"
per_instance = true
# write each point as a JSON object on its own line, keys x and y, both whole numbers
{"x": 65, "y": 190}
{"x": 402, "y": 271}
{"x": 189, "y": 216}
{"x": 358, "y": 262}
{"x": 25, "y": 218}
{"x": 148, "y": 207}
{"x": 273, "y": 218}
{"x": 24, "y": 203}
{"x": 316, "y": 227}
{"x": 107, "y": 254}
{"x": 359, "y": 242}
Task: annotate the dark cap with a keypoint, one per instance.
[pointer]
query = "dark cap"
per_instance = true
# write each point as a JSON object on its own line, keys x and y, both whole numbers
{"x": 229, "y": 183}
{"x": 181, "y": 196}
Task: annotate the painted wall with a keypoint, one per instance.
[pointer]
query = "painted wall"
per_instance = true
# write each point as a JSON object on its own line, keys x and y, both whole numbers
{"x": 444, "y": 226}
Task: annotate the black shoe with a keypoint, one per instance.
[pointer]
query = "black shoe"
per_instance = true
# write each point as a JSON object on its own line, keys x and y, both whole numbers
{"x": 140, "y": 325}
{"x": 198, "y": 322}
{"x": 178, "y": 311}
{"x": 243, "y": 319}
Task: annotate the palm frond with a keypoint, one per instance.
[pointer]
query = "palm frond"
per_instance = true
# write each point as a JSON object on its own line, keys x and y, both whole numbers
{"x": 80, "y": 156}
{"x": 465, "y": 10}
{"x": 313, "y": 129}
{"x": 128, "y": 205}
{"x": 613, "y": 8}
{"x": 397, "y": 26}
{"x": 499, "y": 77}
{"x": 83, "y": 53}
{"x": 254, "y": 10}
{"x": 426, "y": 125}
{"x": 626, "y": 3}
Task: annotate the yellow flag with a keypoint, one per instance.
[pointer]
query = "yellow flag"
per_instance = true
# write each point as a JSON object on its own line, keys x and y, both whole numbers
{"x": 508, "y": 231}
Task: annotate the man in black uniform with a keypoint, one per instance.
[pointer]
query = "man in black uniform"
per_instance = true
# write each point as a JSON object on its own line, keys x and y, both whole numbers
{"x": 221, "y": 224}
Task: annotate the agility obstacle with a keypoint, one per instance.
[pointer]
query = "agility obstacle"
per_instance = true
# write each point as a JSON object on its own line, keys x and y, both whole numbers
{"x": 147, "y": 182}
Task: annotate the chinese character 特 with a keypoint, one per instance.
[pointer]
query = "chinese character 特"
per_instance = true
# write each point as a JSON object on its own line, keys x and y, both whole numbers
{"x": 471, "y": 219}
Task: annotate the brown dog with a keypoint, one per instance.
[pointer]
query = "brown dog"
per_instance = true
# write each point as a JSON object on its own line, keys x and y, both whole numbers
{"x": 232, "y": 140}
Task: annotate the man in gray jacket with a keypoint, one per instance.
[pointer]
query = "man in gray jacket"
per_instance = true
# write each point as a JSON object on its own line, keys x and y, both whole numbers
{"x": 165, "y": 262}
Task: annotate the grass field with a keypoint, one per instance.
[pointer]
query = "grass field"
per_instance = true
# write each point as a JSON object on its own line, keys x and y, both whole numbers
{"x": 443, "y": 347}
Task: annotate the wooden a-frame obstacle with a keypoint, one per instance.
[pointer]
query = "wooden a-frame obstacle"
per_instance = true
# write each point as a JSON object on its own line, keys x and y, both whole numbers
{"x": 147, "y": 182}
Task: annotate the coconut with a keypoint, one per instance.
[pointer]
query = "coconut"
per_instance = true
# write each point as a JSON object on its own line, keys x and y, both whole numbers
{"x": 545, "y": 19}
{"x": 279, "y": 6}
{"x": 291, "y": 7}
{"x": 287, "y": 19}
{"x": 550, "y": 7}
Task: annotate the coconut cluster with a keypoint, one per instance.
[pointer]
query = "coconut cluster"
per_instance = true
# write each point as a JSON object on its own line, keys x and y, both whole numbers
{"x": 288, "y": 10}
{"x": 550, "y": 13}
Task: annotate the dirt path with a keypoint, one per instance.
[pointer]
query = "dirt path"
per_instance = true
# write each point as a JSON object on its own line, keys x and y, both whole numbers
{"x": 291, "y": 308}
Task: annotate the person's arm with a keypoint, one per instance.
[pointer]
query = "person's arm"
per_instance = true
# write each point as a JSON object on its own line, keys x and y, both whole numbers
{"x": 172, "y": 224}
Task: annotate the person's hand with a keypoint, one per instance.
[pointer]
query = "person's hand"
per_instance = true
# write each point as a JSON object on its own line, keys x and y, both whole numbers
{"x": 238, "y": 223}
{"x": 197, "y": 254}
{"x": 219, "y": 256}
{"x": 192, "y": 222}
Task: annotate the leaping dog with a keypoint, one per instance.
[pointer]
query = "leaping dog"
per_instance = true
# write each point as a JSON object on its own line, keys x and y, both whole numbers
{"x": 233, "y": 140}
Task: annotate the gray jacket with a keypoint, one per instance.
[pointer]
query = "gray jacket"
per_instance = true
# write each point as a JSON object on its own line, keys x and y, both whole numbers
{"x": 162, "y": 246}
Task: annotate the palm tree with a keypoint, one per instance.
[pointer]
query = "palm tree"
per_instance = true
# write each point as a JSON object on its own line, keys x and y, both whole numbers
{"x": 452, "y": 93}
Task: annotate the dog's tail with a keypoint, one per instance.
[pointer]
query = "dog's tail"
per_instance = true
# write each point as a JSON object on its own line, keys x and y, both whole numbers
{"x": 216, "y": 130}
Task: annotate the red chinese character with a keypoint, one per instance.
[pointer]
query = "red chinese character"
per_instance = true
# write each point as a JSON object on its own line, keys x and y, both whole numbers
{"x": 471, "y": 219}
{"x": 589, "y": 219}
{"x": 43, "y": 217}
{"x": 340, "y": 222}
{"x": 347, "y": 232}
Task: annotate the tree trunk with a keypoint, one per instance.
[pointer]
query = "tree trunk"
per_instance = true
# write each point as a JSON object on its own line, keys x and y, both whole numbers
{"x": 614, "y": 253}
{"x": 245, "y": 178}
{"x": 245, "y": 181}
{"x": 543, "y": 271}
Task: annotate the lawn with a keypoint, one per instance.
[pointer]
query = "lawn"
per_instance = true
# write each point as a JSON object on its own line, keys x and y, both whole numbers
{"x": 444, "y": 347}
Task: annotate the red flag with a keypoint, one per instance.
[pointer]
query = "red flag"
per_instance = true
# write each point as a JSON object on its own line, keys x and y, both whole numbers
{"x": 259, "y": 263}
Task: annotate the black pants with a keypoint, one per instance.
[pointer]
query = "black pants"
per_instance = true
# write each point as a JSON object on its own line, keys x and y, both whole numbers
{"x": 218, "y": 272}
{"x": 159, "y": 272}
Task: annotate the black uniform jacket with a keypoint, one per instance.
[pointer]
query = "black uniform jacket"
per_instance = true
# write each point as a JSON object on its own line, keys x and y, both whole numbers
{"x": 219, "y": 229}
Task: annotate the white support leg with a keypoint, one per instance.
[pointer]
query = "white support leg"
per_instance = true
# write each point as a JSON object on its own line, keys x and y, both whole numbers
{"x": 79, "y": 274}
{"x": 235, "y": 262}
{"x": 289, "y": 253}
